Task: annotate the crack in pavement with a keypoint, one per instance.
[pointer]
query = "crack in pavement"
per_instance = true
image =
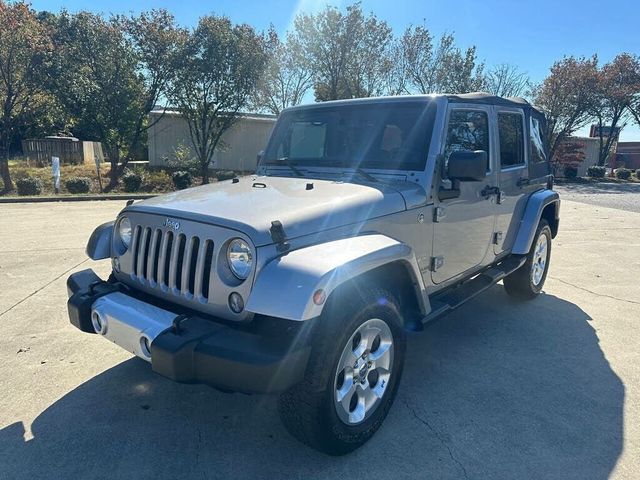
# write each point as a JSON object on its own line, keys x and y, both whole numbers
{"x": 592, "y": 292}
{"x": 42, "y": 288}
{"x": 438, "y": 436}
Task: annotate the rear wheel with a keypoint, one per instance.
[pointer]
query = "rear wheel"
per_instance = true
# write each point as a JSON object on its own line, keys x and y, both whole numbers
{"x": 352, "y": 376}
{"x": 527, "y": 282}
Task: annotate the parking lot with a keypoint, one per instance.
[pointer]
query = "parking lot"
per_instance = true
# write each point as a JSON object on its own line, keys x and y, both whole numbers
{"x": 498, "y": 389}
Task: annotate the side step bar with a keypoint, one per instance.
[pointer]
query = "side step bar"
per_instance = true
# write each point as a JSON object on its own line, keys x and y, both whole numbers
{"x": 451, "y": 298}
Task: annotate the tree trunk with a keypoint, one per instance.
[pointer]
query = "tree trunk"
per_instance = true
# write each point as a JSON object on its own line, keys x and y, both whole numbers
{"x": 6, "y": 175}
{"x": 205, "y": 173}
{"x": 4, "y": 157}
{"x": 114, "y": 175}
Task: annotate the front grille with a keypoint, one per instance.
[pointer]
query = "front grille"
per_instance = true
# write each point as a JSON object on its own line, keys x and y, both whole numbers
{"x": 175, "y": 262}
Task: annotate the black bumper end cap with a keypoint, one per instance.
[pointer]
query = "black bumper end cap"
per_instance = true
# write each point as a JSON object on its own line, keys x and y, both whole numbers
{"x": 84, "y": 288}
{"x": 228, "y": 359}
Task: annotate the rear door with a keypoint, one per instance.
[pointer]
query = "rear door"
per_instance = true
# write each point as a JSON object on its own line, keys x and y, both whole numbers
{"x": 513, "y": 175}
{"x": 463, "y": 226}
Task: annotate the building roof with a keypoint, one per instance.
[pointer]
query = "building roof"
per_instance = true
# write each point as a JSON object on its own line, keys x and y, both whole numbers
{"x": 628, "y": 147}
{"x": 573, "y": 138}
{"x": 172, "y": 111}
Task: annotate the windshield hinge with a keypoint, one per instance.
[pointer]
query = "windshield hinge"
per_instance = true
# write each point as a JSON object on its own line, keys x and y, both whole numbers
{"x": 436, "y": 263}
{"x": 278, "y": 236}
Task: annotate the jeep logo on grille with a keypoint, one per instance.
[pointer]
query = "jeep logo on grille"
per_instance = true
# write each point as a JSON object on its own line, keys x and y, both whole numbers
{"x": 171, "y": 224}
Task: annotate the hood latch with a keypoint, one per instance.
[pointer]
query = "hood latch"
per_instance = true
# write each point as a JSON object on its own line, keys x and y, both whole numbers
{"x": 279, "y": 237}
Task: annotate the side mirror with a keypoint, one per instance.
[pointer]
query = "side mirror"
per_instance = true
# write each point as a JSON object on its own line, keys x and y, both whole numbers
{"x": 466, "y": 166}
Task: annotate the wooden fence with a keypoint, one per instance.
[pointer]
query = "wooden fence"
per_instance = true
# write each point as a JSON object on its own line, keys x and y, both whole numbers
{"x": 68, "y": 150}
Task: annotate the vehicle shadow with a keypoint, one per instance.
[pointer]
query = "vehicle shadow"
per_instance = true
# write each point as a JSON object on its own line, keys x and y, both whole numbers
{"x": 498, "y": 389}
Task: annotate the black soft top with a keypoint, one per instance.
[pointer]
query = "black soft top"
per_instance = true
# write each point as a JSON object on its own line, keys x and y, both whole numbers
{"x": 488, "y": 99}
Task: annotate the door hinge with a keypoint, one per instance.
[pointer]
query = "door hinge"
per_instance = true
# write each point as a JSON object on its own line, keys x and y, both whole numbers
{"x": 437, "y": 263}
{"x": 438, "y": 214}
{"x": 497, "y": 238}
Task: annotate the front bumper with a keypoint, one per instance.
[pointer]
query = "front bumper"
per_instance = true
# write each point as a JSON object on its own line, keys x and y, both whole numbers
{"x": 186, "y": 348}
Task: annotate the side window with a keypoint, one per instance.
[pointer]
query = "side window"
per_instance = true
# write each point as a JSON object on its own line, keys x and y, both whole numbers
{"x": 468, "y": 130}
{"x": 305, "y": 140}
{"x": 537, "y": 147}
{"x": 510, "y": 131}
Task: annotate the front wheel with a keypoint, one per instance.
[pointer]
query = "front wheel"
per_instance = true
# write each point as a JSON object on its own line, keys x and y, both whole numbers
{"x": 352, "y": 375}
{"x": 527, "y": 282}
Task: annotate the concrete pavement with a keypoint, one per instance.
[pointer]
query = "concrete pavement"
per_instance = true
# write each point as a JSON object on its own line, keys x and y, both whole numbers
{"x": 625, "y": 196}
{"x": 498, "y": 389}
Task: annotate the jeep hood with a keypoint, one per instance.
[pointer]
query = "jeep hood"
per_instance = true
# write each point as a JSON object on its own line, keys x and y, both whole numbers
{"x": 303, "y": 206}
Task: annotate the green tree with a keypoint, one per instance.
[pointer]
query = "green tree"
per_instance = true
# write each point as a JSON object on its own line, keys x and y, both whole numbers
{"x": 567, "y": 96}
{"x": 617, "y": 90}
{"x": 426, "y": 66}
{"x": 110, "y": 73}
{"x": 287, "y": 78}
{"x": 25, "y": 48}
{"x": 348, "y": 53}
{"x": 220, "y": 67}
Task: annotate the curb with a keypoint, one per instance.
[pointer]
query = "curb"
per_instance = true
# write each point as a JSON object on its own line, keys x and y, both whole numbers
{"x": 85, "y": 198}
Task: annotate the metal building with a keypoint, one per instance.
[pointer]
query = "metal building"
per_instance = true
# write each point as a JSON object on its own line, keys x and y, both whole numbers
{"x": 240, "y": 144}
{"x": 590, "y": 148}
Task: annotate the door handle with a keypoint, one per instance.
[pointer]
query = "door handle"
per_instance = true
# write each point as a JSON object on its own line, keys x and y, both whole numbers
{"x": 522, "y": 182}
{"x": 487, "y": 191}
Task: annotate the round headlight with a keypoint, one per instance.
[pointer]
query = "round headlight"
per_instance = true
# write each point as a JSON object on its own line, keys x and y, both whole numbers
{"x": 240, "y": 258}
{"x": 124, "y": 231}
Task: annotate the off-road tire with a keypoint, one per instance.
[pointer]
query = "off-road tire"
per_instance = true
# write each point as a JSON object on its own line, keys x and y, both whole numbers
{"x": 307, "y": 410}
{"x": 520, "y": 284}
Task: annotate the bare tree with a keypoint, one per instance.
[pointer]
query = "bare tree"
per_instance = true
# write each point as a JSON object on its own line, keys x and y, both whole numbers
{"x": 426, "y": 66}
{"x": 287, "y": 78}
{"x": 348, "y": 53}
{"x": 506, "y": 80}
{"x": 218, "y": 76}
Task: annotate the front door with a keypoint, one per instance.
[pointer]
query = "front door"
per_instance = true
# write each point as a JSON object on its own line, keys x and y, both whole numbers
{"x": 464, "y": 225}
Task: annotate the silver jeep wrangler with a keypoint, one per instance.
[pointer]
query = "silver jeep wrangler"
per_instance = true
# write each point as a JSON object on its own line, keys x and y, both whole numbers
{"x": 365, "y": 218}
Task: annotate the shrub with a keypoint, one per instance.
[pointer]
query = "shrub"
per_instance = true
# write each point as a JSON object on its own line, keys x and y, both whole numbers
{"x": 78, "y": 185}
{"x": 225, "y": 175}
{"x": 638, "y": 174}
{"x": 181, "y": 179}
{"x": 132, "y": 181}
{"x": 570, "y": 172}
{"x": 623, "y": 173}
{"x": 29, "y": 186}
{"x": 156, "y": 181}
{"x": 596, "y": 171}
{"x": 183, "y": 159}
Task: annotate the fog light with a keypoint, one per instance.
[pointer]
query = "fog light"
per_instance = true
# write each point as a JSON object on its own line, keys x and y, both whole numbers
{"x": 236, "y": 303}
{"x": 98, "y": 323}
{"x": 145, "y": 346}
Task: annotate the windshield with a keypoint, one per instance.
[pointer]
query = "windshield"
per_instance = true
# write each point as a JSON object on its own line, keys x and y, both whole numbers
{"x": 383, "y": 135}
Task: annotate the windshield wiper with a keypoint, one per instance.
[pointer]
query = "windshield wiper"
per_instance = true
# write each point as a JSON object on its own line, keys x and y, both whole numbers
{"x": 289, "y": 164}
{"x": 364, "y": 174}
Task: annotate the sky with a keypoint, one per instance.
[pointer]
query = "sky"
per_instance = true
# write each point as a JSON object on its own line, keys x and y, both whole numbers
{"x": 530, "y": 34}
